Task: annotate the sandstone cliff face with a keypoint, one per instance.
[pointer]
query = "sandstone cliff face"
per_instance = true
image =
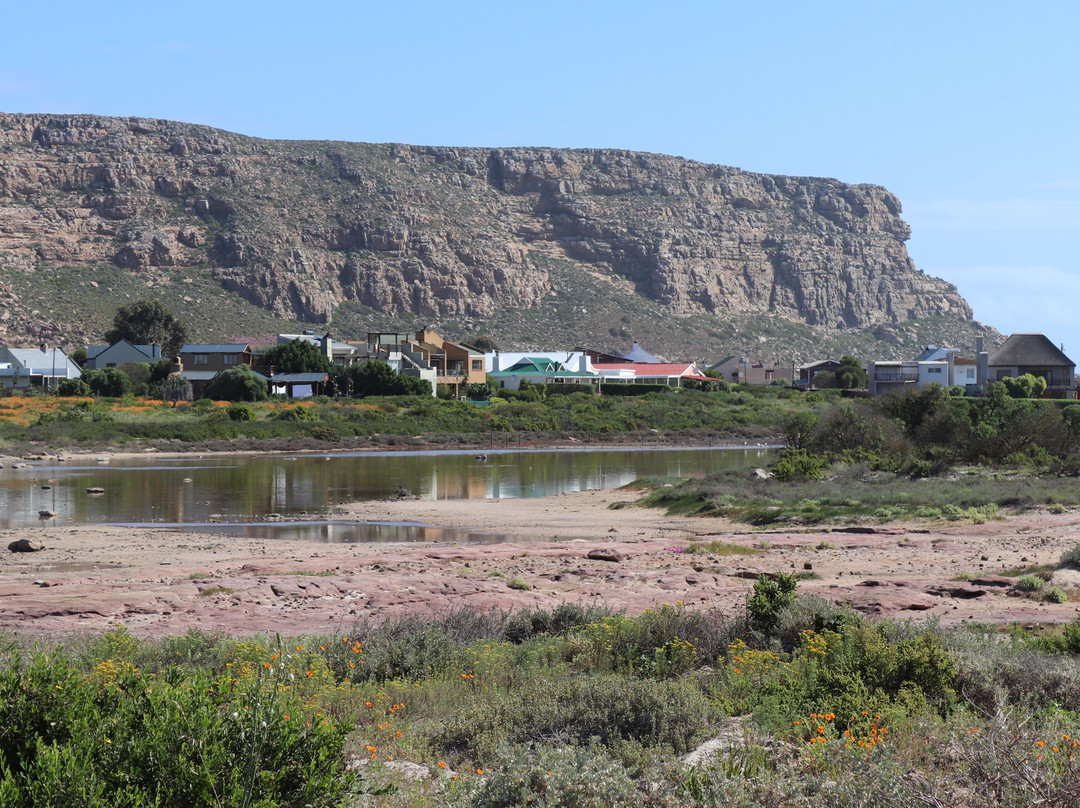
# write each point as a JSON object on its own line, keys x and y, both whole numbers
{"x": 300, "y": 227}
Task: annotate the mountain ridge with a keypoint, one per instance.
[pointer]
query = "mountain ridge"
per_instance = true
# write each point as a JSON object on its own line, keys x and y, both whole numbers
{"x": 524, "y": 243}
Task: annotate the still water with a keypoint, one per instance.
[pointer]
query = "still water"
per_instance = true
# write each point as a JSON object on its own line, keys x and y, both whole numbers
{"x": 240, "y": 489}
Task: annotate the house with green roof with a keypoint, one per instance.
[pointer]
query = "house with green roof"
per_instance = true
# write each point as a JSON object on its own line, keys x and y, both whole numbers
{"x": 540, "y": 370}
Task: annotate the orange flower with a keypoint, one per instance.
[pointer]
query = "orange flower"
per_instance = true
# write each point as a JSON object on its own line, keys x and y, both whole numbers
{"x": 1040, "y": 744}
{"x": 442, "y": 765}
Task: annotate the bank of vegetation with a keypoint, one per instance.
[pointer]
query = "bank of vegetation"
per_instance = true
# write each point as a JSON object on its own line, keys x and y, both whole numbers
{"x": 687, "y": 416}
{"x": 924, "y": 455}
{"x": 805, "y": 703}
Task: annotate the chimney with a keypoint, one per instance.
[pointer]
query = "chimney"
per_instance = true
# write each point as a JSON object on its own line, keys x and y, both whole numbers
{"x": 978, "y": 345}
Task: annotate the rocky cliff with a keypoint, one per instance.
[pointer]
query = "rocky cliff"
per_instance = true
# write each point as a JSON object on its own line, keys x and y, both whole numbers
{"x": 307, "y": 230}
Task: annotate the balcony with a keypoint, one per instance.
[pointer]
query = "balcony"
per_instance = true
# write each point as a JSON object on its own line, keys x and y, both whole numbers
{"x": 883, "y": 376}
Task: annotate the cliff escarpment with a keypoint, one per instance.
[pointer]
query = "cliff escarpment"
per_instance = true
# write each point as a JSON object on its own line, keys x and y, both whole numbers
{"x": 303, "y": 229}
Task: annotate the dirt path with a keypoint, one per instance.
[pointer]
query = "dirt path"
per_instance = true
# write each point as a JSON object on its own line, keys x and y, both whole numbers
{"x": 157, "y": 581}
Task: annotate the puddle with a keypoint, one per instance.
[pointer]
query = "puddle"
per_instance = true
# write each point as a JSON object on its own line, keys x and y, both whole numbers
{"x": 340, "y": 532}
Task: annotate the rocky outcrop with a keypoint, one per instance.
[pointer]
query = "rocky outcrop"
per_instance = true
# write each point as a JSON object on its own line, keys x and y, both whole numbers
{"x": 299, "y": 228}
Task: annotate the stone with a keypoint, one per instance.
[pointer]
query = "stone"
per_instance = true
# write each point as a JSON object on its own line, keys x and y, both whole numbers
{"x": 26, "y": 546}
{"x": 605, "y": 554}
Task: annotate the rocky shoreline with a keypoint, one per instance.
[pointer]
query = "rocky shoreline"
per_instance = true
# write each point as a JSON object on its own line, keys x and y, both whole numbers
{"x": 571, "y": 547}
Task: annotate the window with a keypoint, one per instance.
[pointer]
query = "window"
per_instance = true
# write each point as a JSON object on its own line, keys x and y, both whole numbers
{"x": 478, "y": 364}
{"x": 231, "y": 358}
{"x": 933, "y": 370}
{"x": 200, "y": 359}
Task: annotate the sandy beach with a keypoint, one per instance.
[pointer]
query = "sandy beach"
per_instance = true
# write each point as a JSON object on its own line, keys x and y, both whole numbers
{"x": 568, "y": 547}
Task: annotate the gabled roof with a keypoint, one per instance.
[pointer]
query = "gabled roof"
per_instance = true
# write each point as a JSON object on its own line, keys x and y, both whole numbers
{"x": 933, "y": 352}
{"x": 239, "y": 347}
{"x": 1029, "y": 350}
{"x": 722, "y": 362}
{"x": 639, "y": 354}
{"x": 150, "y": 351}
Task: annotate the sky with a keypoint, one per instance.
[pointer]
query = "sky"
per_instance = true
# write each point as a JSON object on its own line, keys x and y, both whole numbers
{"x": 968, "y": 111}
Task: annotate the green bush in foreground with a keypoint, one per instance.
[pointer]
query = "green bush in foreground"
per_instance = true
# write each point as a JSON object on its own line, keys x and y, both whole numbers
{"x": 118, "y": 736}
{"x": 570, "y": 707}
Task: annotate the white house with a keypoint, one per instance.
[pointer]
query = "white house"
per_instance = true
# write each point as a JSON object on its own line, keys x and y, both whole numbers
{"x": 35, "y": 367}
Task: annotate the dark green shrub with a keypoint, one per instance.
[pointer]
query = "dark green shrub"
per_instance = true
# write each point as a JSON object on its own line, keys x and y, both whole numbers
{"x": 240, "y": 412}
{"x": 70, "y": 388}
{"x": 296, "y": 414}
{"x": 182, "y": 737}
{"x": 799, "y": 464}
{"x": 769, "y": 598}
{"x": 1071, "y": 558}
{"x": 107, "y": 382}
{"x": 613, "y": 389}
{"x": 237, "y": 384}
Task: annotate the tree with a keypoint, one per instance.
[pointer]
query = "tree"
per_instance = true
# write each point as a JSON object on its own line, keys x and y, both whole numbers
{"x": 484, "y": 343}
{"x": 77, "y": 387}
{"x": 237, "y": 384}
{"x": 377, "y": 378}
{"x": 850, "y": 374}
{"x": 298, "y": 356}
{"x": 799, "y": 428}
{"x": 1026, "y": 386}
{"x": 107, "y": 382}
{"x": 176, "y": 388}
{"x": 148, "y": 322}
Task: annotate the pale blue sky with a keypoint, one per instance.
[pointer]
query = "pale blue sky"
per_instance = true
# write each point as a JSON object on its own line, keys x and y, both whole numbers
{"x": 968, "y": 111}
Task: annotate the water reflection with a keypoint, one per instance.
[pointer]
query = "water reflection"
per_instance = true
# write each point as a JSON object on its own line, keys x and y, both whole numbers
{"x": 246, "y": 488}
{"x": 338, "y": 532}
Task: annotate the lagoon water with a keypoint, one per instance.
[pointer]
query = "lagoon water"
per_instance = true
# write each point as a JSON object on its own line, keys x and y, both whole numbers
{"x": 235, "y": 493}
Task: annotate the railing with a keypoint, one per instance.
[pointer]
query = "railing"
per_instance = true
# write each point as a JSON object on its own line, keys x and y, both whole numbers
{"x": 895, "y": 377}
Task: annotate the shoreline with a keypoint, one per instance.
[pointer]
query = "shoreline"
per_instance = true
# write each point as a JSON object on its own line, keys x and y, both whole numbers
{"x": 570, "y": 547}
{"x": 422, "y": 449}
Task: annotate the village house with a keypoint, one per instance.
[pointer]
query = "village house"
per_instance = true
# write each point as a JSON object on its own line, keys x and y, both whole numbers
{"x": 121, "y": 353}
{"x": 455, "y": 364}
{"x": 201, "y": 362}
{"x": 1034, "y": 353}
{"x": 509, "y": 370}
{"x": 35, "y": 367}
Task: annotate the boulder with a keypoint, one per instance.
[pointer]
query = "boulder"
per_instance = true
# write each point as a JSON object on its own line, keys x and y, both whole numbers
{"x": 605, "y": 554}
{"x": 25, "y": 546}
